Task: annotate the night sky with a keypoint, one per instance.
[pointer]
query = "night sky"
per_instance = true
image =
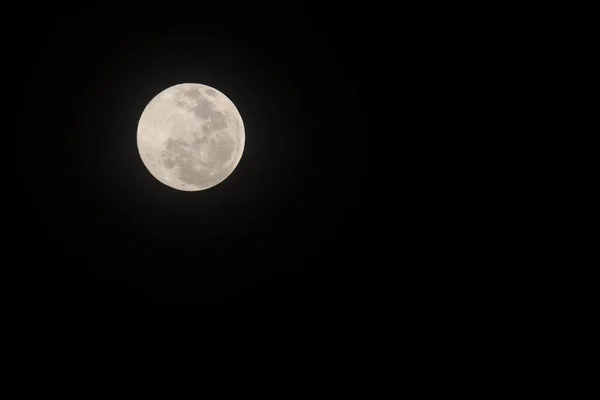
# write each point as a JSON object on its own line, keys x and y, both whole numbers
{"x": 285, "y": 228}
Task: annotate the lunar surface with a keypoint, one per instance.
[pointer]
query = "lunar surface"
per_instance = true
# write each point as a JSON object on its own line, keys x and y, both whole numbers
{"x": 191, "y": 137}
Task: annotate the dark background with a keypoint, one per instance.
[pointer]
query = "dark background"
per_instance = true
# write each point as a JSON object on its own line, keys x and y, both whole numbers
{"x": 289, "y": 226}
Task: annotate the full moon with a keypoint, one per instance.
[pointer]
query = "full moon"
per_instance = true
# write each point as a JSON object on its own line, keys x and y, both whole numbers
{"x": 190, "y": 137}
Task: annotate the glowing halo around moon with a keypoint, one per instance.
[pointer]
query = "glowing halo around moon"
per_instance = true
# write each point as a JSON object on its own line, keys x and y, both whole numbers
{"x": 190, "y": 137}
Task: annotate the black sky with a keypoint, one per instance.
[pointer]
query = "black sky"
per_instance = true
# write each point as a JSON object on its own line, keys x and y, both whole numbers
{"x": 283, "y": 227}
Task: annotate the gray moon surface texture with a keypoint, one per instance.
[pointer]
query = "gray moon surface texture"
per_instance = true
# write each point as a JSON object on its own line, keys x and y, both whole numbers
{"x": 191, "y": 137}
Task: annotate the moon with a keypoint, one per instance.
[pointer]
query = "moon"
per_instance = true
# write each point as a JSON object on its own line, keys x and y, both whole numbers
{"x": 191, "y": 137}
